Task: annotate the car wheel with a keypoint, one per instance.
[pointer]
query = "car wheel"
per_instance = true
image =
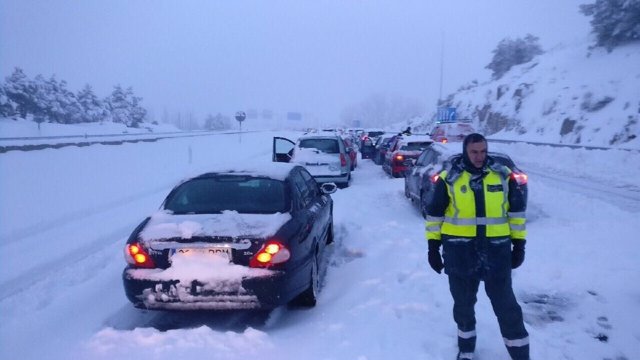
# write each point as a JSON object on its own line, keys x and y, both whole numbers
{"x": 330, "y": 234}
{"x": 309, "y": 297}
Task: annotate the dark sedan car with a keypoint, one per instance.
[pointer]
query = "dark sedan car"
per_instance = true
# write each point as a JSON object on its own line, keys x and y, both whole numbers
{"x": 237, "y": 239}
{"x": 420, "y": 179}
{"x": 367, "y": 143}
{"x": 380, "y": 148}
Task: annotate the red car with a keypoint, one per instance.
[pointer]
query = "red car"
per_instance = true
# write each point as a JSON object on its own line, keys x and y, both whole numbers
{"x": 402, "y": 151}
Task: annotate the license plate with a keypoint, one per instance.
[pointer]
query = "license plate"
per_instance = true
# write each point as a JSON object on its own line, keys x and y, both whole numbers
{"x": 224, "y": 252}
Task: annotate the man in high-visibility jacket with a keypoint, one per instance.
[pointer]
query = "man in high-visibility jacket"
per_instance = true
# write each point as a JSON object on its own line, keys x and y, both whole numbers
{"x": 477, "y": 214}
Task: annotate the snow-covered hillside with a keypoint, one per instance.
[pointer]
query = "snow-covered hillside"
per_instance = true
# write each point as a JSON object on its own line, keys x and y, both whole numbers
{"x": 571, "y": 94}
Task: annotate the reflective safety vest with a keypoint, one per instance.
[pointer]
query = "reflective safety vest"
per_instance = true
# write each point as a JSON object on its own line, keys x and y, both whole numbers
{"x": 460, "y": 216}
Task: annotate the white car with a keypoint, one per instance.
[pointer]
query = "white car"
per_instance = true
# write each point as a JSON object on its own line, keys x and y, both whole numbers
{"x": 448, "y": 132}
{"x": 324, "y": 156}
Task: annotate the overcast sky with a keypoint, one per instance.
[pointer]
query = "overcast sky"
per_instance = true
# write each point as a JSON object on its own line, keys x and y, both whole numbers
{"x": 285, "y": 55}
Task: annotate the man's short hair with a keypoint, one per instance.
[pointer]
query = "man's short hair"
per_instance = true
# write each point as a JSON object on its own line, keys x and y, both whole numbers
{"x": 472, "y": 139}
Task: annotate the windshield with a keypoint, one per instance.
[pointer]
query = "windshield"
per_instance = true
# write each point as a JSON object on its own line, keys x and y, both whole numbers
{"x": 329, "y": 146}
{"x": 415, "y": 146}
{"x": 243, "y": 194}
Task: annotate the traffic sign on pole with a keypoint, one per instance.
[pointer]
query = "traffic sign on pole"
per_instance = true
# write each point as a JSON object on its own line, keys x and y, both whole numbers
{"x": 447, "y": 114}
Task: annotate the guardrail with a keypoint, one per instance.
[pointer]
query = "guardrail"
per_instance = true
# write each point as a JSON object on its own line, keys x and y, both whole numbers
{"x": 586, "y": 147}
{"x": 152, "y": 137}
{"x": 142, "y": 137}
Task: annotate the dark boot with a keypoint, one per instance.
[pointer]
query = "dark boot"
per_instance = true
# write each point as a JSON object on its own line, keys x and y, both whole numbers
{"x": 519, "y": 352}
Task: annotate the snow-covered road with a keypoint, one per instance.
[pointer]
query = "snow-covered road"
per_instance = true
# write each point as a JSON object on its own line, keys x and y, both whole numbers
{"x": 65, "y": 214}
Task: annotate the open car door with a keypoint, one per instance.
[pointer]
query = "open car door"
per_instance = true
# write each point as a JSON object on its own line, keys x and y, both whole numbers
{"x": 282, "y": 149}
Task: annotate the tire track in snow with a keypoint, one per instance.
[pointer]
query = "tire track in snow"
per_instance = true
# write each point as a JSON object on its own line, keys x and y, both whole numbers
{"x": 80, "y": 214}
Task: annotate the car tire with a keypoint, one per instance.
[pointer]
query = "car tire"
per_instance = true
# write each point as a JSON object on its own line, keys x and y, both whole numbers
{"x": 309, "y": 297}
{"x": 330, "y": 235}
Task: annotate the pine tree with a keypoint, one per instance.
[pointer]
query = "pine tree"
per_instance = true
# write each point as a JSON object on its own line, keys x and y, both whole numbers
{"x": 509, "y": 53}
{"x": 56, "y": 102}
{"x": 137, "y": 113}
{"x": 20, "y": 91}
{"x": 7, "y": 107}
{"x": 614, "y": 22}
{"x": 118, "y": 105}
{"x": 93, "y": 109}
{"x": 125, "y": 107}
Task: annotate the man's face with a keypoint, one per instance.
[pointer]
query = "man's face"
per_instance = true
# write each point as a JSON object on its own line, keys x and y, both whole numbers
{"x": 477, "y": 152}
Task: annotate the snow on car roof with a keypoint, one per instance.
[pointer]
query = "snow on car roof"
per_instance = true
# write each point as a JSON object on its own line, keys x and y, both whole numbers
{"x": 415, "y": 138}
{"x": 319, "y": 136}
{"x": 448, "y": 148}
{"x": 273, "y": 170}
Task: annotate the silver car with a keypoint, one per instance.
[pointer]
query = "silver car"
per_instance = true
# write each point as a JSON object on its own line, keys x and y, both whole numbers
{"x": 324, "y": 156}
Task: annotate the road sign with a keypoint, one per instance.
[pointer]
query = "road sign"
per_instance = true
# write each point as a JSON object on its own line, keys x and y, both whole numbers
{"x": 447, "y": 114}
{"x": 240, "y": 116}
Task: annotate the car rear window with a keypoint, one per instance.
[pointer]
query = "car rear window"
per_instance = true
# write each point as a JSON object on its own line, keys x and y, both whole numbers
{"x": 248, "y": 195}
{"x": 329, "y": 146}
{"x": 415, "y": 146}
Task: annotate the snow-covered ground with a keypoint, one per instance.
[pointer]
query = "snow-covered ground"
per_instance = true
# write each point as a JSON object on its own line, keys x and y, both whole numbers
{"x": 65, "y": 214}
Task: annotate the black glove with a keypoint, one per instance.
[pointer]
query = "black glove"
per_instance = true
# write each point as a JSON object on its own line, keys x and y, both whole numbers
{"x": 517, "y": 253}
{"x": 435, "y": 260}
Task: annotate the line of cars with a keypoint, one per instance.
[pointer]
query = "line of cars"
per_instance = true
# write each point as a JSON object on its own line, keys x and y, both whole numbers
{"x": 420, "y": 158}
{"x": 257, "y": 237}
{"x": 420, "y": 179}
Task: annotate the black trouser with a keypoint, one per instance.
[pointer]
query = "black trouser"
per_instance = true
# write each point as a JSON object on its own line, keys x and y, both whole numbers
{"x": 505, "y": 306}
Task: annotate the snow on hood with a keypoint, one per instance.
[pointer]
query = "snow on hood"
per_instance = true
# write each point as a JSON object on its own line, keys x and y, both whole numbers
{"x": 164, "y": 225}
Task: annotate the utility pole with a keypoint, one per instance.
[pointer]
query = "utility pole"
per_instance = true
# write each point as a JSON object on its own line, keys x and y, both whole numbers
{"x": 441, "y": 68}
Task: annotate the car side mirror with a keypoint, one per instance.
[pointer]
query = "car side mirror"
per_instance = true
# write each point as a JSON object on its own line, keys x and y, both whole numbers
{"x": 328, "y": 188}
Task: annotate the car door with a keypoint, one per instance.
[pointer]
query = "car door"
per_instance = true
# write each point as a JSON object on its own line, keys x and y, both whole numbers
{"x": 393, "y": 145}
{"x": 282, "y": 149}
{"x": 307, "y": 212}
{"x": 432, "y": 165}
{"x": 413, "y": 177}
{"x": 320, "y": 203}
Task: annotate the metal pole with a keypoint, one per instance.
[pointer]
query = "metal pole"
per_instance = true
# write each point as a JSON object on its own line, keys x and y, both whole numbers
{"x": 441, "y": 68}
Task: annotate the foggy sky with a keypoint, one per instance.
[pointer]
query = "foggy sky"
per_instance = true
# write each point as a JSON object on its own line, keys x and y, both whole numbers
{"x": 294, "y": 55}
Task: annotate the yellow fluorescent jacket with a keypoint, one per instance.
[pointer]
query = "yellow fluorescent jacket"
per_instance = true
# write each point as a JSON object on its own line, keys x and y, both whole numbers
{"x": 460, "y": 216}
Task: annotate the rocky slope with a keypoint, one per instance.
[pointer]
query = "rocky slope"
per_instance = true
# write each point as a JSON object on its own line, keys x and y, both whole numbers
{"x": 569, "y": 95}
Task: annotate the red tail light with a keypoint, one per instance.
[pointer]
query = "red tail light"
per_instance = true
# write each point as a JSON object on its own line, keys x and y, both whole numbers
{"x": 520, "y": 178}
{"x": 434, "y": 178}
{"x": 136, "y": 255}
{"x": 343, "y": 160}
{"x": 399, "y": 158}
{"x": 271, "y": 253}
{"x": 444, "y": 140}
